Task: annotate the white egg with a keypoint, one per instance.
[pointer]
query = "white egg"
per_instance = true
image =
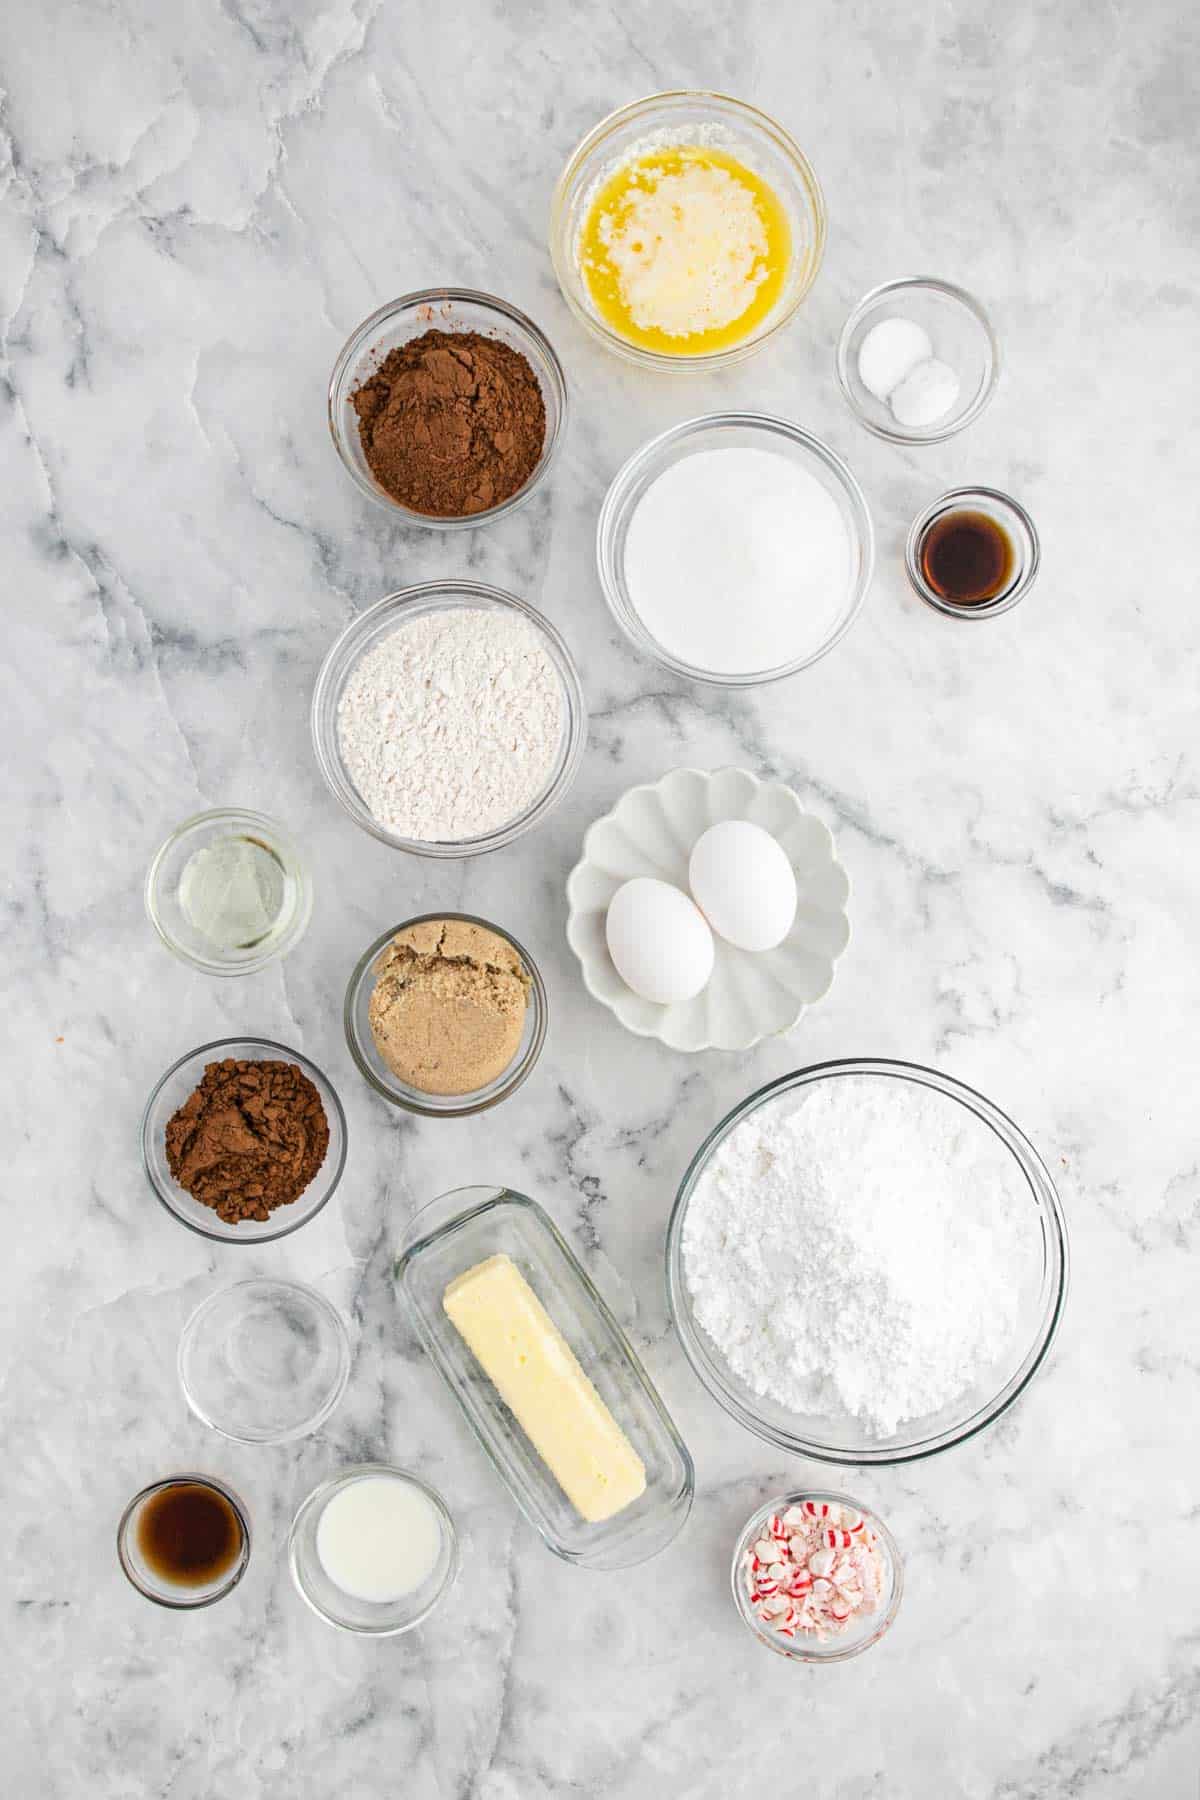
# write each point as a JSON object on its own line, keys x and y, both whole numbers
{"x": 743, "y": 884}
{"x": 659, "y": 942}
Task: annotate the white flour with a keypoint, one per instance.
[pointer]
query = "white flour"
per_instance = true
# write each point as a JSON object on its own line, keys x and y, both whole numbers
{"x": 451, "y": 726}
{"x": 860, "y": 1246}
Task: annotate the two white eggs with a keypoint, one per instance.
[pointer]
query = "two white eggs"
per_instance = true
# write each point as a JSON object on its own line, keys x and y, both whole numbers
{"x": 742, "y": 887}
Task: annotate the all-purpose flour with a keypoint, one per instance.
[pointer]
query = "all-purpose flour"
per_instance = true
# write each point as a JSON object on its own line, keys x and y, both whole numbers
{"x": 861, "y": 1245}
{"x": 451, "y": 726}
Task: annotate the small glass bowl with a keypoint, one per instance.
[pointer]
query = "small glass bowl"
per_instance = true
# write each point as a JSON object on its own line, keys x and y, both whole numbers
{"x": 844, "y": 1438}
{"x": 862, "y": 1632}
{"x": 178, "y": 1084}
{"x": 378, "y": 622}
{"x": 1017, "y": 527}
{"x": 176, "y": 1595}
{"x": 165, "y": 908}
{"x": 366, "y": 1617}
{"x": 264, "y": 1362}
{"x": 371, "y": 1065}
{"x": 961, "y": 334}
{"x": 441, "y": 309}
{"x": 722, "y": 431}
{"x": 676, "y": 117}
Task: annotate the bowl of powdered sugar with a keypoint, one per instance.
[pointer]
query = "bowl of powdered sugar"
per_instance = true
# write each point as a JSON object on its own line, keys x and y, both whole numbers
{"x": 867, "y": 1262}
{"x": 449, "y": 719}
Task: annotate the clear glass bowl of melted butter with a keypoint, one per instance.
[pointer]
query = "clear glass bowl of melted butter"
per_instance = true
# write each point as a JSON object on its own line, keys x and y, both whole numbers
{"x": 639, "y": 205}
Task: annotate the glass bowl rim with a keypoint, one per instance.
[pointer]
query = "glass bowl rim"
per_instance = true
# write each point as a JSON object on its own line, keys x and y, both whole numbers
{"x": 792, "y": 1651}
{"x": 616, "y": 500}
{"x": 949, "y": 290}
{"x": 988, "y": 609}
{"x": 322, "y": 1493}
{"x": 425, "y": 595}
{"x": 705, "y": 1364}
{"x": 612, "y": 121}
{"x": 336, "y": 1392}
{"x": 281, "y": 839}
{"x": 356, "y": 346}
{"x": 307, "y": 1066}
{"x": 466, "y": 1105}
{"x": 186, "y": 1477}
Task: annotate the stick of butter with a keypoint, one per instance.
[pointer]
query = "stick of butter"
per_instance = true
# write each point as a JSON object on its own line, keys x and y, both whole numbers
{"x": 529, "y": 1361}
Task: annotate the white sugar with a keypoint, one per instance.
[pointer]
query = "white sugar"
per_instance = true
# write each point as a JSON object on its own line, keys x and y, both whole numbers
{"x": 738, "y": 561}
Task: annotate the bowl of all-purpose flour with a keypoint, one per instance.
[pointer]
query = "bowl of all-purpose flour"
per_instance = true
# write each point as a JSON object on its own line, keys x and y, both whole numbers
{"x": 448, "y": 719}
{"x": 866, "y": 1262}
{"x": 736, "y": 548}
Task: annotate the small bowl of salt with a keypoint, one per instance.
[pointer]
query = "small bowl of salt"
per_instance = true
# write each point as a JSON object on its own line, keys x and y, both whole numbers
{"x": 917, "y": 360}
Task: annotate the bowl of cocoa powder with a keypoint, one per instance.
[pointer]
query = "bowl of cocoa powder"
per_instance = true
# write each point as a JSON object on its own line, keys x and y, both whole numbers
{"x": 447, "y": 406}
{"x": 243, "y": 1140}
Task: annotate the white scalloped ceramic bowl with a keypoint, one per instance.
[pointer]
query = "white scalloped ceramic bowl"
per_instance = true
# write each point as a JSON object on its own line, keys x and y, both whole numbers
{"x": 750, "y": 996}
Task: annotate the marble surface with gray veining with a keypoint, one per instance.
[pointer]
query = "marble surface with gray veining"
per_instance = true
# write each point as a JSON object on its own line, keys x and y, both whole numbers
{"x": 199, "y": 203}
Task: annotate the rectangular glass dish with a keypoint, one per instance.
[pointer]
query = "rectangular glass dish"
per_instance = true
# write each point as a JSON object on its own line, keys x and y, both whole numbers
{"x": 461, "y": 1230}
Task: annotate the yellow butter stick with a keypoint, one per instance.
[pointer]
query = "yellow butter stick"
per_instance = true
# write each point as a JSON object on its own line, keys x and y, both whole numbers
{"x": 535, "y": 1371}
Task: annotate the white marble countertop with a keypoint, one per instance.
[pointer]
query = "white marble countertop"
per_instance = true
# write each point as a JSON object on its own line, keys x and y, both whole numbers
{"x": 200, "y": 203}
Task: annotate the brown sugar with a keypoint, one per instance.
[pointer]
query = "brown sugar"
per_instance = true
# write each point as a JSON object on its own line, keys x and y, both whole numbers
{"x": 448, "y": 1008}
{"x": 451, "y": 423}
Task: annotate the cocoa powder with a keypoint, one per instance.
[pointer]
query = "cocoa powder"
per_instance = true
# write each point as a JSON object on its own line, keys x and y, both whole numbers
{"x": 451, "y": 423}
{"x": 249, "y": 1139}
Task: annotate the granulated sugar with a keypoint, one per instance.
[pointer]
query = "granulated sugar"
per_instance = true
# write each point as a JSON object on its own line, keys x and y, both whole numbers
{"x": 860, "y": 1246}
{"x": 451, "y": 726}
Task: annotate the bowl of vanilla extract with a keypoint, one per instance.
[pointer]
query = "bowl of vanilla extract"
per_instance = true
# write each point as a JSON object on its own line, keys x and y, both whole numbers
{"x": 973, "y": 553}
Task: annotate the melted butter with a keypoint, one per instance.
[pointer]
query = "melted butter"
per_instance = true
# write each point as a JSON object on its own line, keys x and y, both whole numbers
{"x": 685, "y": 250}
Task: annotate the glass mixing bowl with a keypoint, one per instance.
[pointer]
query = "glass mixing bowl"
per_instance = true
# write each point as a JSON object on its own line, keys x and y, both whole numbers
{"x": 863, "y": 1631}
{"x": 178, "y": 1085}
{"x": 723, "y": 431}
{"x": 845, "y": 1439}
{"x": 264, "y": 1362}
{"x": 678, "y": 117}
{"x": 365, "y": 1051}
{"x": 961, "y": 334}
{"x": 441, "y": 309}
{"x": 166, "y": 891}
{"x": 378, "y": 622}
{"x": 368, "y": 1618}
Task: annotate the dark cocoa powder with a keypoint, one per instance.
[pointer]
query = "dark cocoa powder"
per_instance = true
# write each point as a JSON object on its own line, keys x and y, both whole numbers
{"x": 451, "y": 423}
{"x": 249, "y": 1139}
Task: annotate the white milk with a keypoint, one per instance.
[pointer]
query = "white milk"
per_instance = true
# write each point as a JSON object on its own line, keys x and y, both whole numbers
{"x": 379, "y": 1538}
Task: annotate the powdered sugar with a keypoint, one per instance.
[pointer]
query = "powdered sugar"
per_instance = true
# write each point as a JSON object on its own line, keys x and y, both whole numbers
{"x": 452, "y": 725}
{"x": 861, "y": 1246}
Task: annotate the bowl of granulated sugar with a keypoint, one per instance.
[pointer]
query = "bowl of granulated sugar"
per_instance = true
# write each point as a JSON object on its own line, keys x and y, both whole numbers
{"x": 736, "y": 549}
{"x": 449, "y": 719}
{"x": 866, "y": 1262}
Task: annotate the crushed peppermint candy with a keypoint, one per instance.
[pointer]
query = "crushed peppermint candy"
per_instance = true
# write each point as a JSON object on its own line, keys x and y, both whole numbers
{"x": 813, "y": 1569}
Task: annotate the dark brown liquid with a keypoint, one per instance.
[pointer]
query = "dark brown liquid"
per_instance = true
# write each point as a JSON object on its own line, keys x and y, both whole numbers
{"x": 188, "y": 1534}
{"x": 967, "y": 558}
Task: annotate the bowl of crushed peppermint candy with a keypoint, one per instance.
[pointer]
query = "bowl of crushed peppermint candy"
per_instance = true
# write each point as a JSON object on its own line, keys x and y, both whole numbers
{"x": 817, "y": 1577}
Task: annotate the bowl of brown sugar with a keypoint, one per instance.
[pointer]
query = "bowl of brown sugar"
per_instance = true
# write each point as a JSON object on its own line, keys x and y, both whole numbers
{"x": 243, "y": 1140}
{"x": 447, "y": 406}
{"x": 445, "y": 1015}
